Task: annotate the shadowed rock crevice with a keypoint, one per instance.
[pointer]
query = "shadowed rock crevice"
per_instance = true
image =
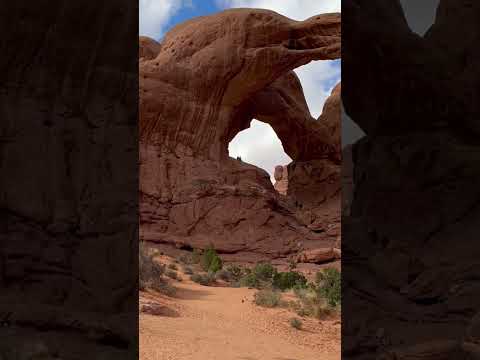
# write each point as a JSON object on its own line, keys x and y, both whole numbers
{"x": 199, "y": 88}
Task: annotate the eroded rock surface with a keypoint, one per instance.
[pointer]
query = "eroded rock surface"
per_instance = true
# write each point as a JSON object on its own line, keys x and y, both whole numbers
{"x": 68, "y": 183}
{"x": 281, "y": 179}
{"x": 211, "y": 77}
{"x": 410, "y": 244}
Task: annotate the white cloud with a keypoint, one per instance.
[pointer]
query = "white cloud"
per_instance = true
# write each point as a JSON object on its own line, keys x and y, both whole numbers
{"x": 294, "y": 9}
{"x": 318, "y": 79}
{"x": 260, "y": 146}
{"x": 154, "y": 15}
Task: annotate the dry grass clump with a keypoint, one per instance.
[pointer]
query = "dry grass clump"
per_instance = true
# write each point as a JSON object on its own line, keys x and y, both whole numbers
{"x": 204, "y": 279}
{"x": 321, "y": 298}
{"x": 150, "y": 272}
{"x": 172, "y": 274}
{"x": 268, "y": 298}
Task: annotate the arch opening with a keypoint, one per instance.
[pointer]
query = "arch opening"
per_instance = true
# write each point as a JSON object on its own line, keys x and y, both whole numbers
{"x": 259, "y": 145}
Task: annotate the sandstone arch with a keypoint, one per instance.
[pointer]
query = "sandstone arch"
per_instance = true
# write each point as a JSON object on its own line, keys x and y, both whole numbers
{"x": 203, "y": 84}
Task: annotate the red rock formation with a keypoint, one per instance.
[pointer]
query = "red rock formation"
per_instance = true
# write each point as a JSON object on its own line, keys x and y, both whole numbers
{"x": 412, "y": 234}
{"x": 148, "y": 48}
{"x": 212, "y": 75}
{"x": 315, "y": 184}
{"x": 281, "y": 179}
{"x": 347, "y": 180}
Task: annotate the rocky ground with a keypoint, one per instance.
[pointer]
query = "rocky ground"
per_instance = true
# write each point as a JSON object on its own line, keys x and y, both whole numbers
{"x": 209, "y": 323}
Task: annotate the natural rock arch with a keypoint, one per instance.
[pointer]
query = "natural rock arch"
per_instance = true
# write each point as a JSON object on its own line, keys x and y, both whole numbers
{"x": 219, "y": 65}
{"x": 202, "y": 85}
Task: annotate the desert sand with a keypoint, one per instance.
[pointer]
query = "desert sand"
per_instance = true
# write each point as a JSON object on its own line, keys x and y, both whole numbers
{"x": 223, "y": 323}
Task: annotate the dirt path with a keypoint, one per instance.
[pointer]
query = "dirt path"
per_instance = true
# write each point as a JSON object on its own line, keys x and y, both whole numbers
{"x": 213, "y": 323}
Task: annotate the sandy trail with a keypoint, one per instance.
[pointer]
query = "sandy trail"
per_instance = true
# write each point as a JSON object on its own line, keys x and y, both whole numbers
{"x": 213, "y": 323}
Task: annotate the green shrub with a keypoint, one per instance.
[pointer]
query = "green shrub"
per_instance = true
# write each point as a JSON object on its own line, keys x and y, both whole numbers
{"x": 172, "y": 266}
{"x": 296, "y": 323}
{"x": 267, "y": 298}
{"x": 329, "y": 285}
{"x": 203, "y": 279}
{"x": 288, "y": 280}
{"x": 210, "y": 261}
{"x": 236, "y": 272}
{"x": 264, "y": 271}
{"x": 172, "y": 274}
{"x": 250, "y": 280}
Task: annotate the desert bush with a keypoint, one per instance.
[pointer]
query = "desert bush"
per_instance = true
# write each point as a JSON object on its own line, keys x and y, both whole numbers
{"x": 267, "y": 298}
{"x": 250, "y": 280}
{"x": 296, "y": 323}
{"x": 204, "y": 279}
{"x": 172, "y": 274}
{"x": 210, "y": 261}
{"x": 188, "y": 270}
{"x": 264, "y": 271}
{"x": 150, "y": 272}
{"x": 172, "y": 266}
{"x": 316, "y": 309}
{"x": 305, "y": 293}
{"x": 185, "y": 259}
{"x": 259, "y": 277}
{"x": 232, "y": 274}
{"x": 288, "y": 280}
{"x": 311, "y": 303}
{"x": 236, "y": 272}
{"x": 224, "y": 275}
{"x": 328, "y": 284}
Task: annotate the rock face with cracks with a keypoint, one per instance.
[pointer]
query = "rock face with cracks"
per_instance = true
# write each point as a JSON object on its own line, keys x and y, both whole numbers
{"x": 209, "y": 78}
{"x": 410, "y": 247}
{"x": 68, "y": 183}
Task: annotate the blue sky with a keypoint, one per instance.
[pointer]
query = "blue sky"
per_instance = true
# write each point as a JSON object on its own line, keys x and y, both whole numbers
{"x": 259, "y": 144}
{"x": 197, "y": 8}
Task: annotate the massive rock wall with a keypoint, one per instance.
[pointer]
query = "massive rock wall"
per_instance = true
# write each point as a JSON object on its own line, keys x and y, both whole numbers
{"x": 68, "y": 183}
{"x": 202, "y": 85}
{"x": 410, "y": 246}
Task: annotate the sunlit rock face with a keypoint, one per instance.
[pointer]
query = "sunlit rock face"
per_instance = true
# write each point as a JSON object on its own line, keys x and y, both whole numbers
{"x": 199, "y": 88}
{"x": 281, "y": 179}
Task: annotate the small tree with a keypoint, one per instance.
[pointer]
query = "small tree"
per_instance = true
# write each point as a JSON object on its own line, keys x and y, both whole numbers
{"x": 329, "y": 285}
{"x": 210, "y": 260}
{"x": 288, "y": 280}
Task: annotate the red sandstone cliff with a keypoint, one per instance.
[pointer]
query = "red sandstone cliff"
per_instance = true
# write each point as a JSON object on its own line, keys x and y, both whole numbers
{"x": 201, "y": 86}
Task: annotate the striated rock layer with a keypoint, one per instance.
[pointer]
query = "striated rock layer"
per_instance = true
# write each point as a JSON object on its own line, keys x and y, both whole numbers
{"x": 201, "y": 86}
